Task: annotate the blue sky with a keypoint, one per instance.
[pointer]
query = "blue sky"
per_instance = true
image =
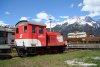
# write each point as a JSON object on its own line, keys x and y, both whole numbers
{"x": 39, "y": 10}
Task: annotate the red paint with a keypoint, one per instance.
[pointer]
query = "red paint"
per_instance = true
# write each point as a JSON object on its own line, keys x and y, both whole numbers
{"x": 46, "y": 39}
{"x": 52, "y": 39}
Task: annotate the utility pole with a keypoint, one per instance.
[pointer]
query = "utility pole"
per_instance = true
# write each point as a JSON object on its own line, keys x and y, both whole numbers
{"x": 83, "y": 28}
{"x": 50, "y": 24}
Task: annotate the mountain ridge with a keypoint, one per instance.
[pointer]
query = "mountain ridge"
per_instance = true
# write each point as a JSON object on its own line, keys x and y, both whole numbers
{"x": 79, "y": 23}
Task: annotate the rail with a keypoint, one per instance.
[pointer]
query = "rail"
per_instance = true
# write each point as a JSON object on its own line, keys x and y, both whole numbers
{"x": 5, "y": 46}
{"x": 84, "y": 46}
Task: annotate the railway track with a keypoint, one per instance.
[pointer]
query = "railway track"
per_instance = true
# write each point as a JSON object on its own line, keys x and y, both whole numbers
{"x": 83, "y": 46}
{"x": 69, "y": 48}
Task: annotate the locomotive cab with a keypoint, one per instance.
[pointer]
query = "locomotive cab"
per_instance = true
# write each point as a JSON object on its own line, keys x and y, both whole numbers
{"x": 30, "y": 35}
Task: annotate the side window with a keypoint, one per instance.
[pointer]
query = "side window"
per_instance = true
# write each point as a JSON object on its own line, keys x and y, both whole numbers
{"x": 25, "y": 28}
{"x": 13, "y": 33}
{"x": 17, "y": 30}
{"x": 41, "y": 30}
{"x": 33, "y": 29}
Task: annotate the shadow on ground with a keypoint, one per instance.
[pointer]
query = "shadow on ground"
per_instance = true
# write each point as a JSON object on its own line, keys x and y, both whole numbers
{"x": 5, "y": 57}
{"x": 8, "y": 56}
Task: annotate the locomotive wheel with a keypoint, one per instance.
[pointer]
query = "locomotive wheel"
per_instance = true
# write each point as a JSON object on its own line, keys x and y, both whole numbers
{"x": 13, "y": 52}
{"x": 60, "y": 51}
{"x": 21, "y": 52}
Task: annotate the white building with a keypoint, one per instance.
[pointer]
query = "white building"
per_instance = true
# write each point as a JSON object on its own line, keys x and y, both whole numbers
{"x": 77, "y": 35}
{"x": 6, "y": 35}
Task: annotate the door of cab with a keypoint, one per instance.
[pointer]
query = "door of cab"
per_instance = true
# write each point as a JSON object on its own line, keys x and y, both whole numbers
{"x": 42, "y": 35}
{"x": 34, "y": 36}
{"x": 38, "y": 35}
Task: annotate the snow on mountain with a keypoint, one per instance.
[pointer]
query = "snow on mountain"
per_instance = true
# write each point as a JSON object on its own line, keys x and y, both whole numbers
{"x": 78, "y": 23}
{"x": 52, "y": 25}
{"x": 81, "y": 20}
{"x": 2, "y": 24}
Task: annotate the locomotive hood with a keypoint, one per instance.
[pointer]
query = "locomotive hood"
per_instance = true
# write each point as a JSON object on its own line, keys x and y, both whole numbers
{"x": 23, "y": 22}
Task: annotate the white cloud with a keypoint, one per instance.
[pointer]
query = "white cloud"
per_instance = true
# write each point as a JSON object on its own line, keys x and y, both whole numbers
{"x": 72, "y": 5}
{"x": 65, "y": 17}
{"x": 46, "y": 19}
{"x": 80, "y": 4}
{"x": 37, "y": 20}
{"x": 57, "y": 20}
{"x": 42, "y": 15}
{"x": 24, "y": 18}
{"x": 91, "y": 6}
{"x": 51, "y": 17}
{"x": 7, "y": 13}
{"x": 2, "y": 23}
{"x": 94, "y": 14}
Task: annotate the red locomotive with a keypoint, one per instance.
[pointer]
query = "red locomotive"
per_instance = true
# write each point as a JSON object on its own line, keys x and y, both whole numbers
{"x": 34, "y": 38}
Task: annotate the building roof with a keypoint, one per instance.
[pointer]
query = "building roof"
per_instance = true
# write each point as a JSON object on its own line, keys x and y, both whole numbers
{"x": 7, "y": 29}
{"x": 27, "y": 22}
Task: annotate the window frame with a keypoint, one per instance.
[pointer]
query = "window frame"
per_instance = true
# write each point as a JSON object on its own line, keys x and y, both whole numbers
{"x": 17, "y": 30}
{"x": 41, "y": 30}
{"x": 33, "y": 29}
{"x": 25, "y": 29}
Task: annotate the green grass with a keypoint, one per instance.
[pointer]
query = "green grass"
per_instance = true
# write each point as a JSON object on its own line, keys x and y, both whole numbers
{"x": 52, "y": 60}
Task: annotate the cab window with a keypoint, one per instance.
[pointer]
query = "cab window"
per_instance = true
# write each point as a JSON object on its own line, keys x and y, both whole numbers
{"x": 33, "y": 29}
{"x": 17, "y": 30}
{"x": 41, "y": 30}
{"x": 25, "y": 28}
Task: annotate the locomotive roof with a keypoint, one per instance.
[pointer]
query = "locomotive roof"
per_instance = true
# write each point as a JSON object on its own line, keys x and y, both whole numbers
{"x": 27, "y": 22}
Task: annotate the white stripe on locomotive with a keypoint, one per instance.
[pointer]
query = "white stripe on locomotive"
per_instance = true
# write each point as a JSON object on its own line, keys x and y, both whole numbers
{"x": 60, "y": 38}
{"x": 28, "y": 42}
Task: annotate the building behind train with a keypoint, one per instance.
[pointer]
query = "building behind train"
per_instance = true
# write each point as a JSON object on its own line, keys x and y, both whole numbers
{"x": 82, "y": 38}
{"x": 7, "y": 37}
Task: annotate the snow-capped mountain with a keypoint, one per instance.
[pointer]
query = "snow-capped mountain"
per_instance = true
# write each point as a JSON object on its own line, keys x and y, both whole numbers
{"x": 4, "y": 25}
{"x": 78, "y": 23}
{"x": 81, "y": 20}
